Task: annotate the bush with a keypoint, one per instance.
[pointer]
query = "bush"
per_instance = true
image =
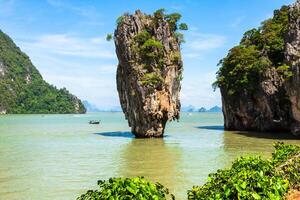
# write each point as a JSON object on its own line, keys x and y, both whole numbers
{"x": 160, "y": 13}
{"x": 127, "y": 188}
{"x": 183, "y": 26}
{"x": 285, "y": 71}
{"x": 258, "y": 50}
{"x": 254, "y": 178}
{"x": 173, "y": 19}
{"x": 119, "y": 20}
{"x": 180, "y": 37}
{"x": 152, "y": 49}
{"x": 109, "y": 37}
{"x": 142, "y": 37}
{"x": 241, "y": 68}
{"x": 151, "y": 79}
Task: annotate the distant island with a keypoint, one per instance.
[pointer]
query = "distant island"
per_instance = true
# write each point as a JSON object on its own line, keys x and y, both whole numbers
{"x": 23, "y": 90}
{"x": 90, "y": 108}
{"x": 191, "y": 108}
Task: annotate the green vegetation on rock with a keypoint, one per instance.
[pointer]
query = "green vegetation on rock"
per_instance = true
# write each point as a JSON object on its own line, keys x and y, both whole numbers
{"x": 109, "y": 37}
{"x": 254, "y": 177}
{"x": 119, "y": 20}
{"x": 22, "y": 88}
{"x": 151, "y": 50}
{"x": 126, "y": 189}
{"x": 259, "y": 49}
{"x": 152, "y": 79}
{"x": 172, "y": 20}
{"x": 183, "y": 26}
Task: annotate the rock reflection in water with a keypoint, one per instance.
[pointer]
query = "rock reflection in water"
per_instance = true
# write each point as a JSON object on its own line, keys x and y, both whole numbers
{"x": 155, "y": 160}
{"x": 249, "y": 143}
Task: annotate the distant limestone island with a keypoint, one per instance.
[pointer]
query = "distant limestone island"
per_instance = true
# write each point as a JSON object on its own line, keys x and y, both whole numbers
{"x": 91, "y": 108}
{"x": 23, "y": 90}
{"x": 191, "y": 108}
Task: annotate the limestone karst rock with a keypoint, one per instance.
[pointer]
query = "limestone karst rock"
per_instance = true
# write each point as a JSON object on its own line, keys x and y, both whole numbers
{"x": 292, "y": 58}
{"x": 260, "y": 79}
{"x": 149, "y": 71}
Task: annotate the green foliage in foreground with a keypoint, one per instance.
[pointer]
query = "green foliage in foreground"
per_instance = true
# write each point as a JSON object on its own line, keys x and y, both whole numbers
{"x": 249, "y": 178}
{"x": 254, "y": 177}
{"x": 126, "y": 189}
{"x": 22, "y": 88}
{"x": 260, "y": 49}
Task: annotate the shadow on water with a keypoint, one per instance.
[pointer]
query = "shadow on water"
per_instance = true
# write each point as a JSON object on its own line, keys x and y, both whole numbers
{"x": 263, "y": 135}
{"x": 123, "y": 135}
{"x": 237, "y": 143}
{"x": 269, "y": 135}
{"x": 216, "y": 128}
{"x": 116, "y": 134}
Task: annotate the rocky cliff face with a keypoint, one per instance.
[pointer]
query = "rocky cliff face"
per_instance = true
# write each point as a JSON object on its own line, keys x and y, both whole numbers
{"x": 292, "y": 56}
{"x": 149, "y": 72}
{"x": 268, "y": 96}
{"x": 265, "y": 110}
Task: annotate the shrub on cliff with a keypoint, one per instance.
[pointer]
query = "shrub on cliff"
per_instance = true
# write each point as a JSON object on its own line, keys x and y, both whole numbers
{"x": 127, "y": 188}
{"x": 254, "y": 178}
{"x": 258, "y": 50}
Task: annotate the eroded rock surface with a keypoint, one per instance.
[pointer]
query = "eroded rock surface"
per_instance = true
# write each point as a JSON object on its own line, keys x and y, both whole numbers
{"x": 149, "y": 72}
{"x": 292, "y": 55}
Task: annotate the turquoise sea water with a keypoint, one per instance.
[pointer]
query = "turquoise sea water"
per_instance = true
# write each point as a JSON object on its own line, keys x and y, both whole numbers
{"x": 62, "y": 156}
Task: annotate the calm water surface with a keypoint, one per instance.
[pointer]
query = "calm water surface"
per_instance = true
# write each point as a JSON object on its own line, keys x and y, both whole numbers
{"x": 62, "y": 156}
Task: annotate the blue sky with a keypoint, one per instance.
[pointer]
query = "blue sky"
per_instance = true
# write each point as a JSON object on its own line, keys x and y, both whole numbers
{"x": 65, "y": 40}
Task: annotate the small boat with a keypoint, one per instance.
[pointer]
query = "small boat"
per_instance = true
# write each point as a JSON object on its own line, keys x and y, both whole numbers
{"x": 94, "y": 122}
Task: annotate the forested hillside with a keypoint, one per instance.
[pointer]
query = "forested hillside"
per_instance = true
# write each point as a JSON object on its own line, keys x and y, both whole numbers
{"x": 22, "y": 88}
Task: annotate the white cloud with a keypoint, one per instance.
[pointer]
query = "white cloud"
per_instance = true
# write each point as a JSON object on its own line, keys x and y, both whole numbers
{"x": 205, "y": 42}
{"x": 198, "y": 43}
{"x": 85, "y": 66}
{"x": 192, "y": 55}
{"x": 237, "y": 22}
{"x": 61, "y": 44}
{"x": 199, "y": 92}
{"x": 89, "y": 13}
{"x": 56, "y": 3}
{"x": 94, "y": 88}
